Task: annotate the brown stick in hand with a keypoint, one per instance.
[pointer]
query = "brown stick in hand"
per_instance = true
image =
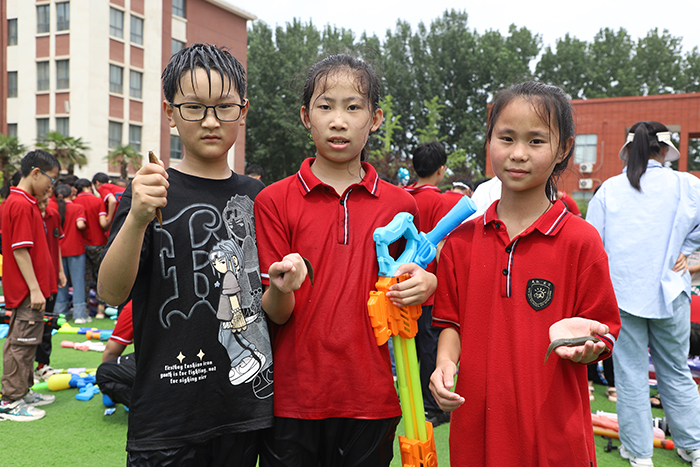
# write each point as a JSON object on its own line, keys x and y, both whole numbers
{"x": 154, "y": 160}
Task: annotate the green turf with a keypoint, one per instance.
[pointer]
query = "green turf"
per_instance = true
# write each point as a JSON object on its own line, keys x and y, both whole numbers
{"x": 78, "y": 434}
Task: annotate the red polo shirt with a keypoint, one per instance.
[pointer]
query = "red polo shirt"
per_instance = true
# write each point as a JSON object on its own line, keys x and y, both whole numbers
{"x": 433, "y": 206}
{"x": 73, "y": 241}
{"x": 327, "y": 362}
{"x": 94, "y": 208}
{"x": 54, "y": 235}
{"x": 504, "y": 295}
{"x": 23, "y": 227}
{"x": 124, "y": 329}
{"x": 108, "y": 190}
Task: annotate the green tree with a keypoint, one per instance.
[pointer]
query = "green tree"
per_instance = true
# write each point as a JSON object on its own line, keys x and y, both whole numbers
{"x": 385, "y": 160}
{"x": 11, "y": 152}
{"x": 612, "y": 74}
{"x": 691, "y": 71}
{"x": 568, "y": 66}
{"x": 657, "y": 63}
{"x": 125, "y": 155}
{"x": 431, "y": 132}
{"x": 68, "y": 150}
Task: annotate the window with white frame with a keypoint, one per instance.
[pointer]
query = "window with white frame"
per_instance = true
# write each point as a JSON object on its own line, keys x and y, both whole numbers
{"x": 62, "y": 74}
{"x": 136, "y": 33}
{"x": 135, "y": 137}
{"x": 43, "y": 76}
{"x": 135, "y": 84}
{"x": 586, "y": 149}
{"x": 116, "y": 23}
{"x": 42, "y": 127}
{"x": 116, "y": 79}
{"x": 12, "y": 31}
{"x": 12, "y": 84}
{"x": 114, "y": 138}
{"x": 176, "y": 46}
{"x": 43, "y": 19}
{"x": 175, "y": 148}
{"x": 63, "y": 125}
{"x": 62, "y": 16}
{"x": 179, "y": 8}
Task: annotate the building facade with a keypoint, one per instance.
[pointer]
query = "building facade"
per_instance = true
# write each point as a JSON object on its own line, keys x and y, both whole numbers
{"x": 91, "y": 69}
{"x": 602, "y": 126}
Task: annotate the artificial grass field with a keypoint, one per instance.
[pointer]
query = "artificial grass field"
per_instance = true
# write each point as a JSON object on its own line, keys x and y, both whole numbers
{"x": 78, "y": 434}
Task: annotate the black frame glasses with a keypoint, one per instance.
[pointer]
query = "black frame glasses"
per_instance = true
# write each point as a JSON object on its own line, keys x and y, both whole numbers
{"x": 53, "y": 180}
{"x": 206, "y": 110}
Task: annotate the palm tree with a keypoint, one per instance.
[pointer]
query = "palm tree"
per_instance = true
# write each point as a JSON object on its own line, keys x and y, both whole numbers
{"x": 11, "y": 151}
{"x": 125, "y": 155}
{"x": 68, "y": 150}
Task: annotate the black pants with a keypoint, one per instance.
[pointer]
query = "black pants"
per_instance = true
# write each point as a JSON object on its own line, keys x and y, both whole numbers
{"x": 231, "y": 450}
{"x": 330, "y": 442}
{"x": 426, "y": 348}
{"x": 115, "y": 378}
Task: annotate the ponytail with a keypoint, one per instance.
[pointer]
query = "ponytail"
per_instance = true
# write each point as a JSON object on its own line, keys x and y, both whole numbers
{"x": 642, "y": 147}
{"x": 62, "y": 192}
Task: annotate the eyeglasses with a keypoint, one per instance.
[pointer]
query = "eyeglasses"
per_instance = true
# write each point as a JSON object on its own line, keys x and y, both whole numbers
{"x": 53, "y": 180}
{"x": 195, "y": 112}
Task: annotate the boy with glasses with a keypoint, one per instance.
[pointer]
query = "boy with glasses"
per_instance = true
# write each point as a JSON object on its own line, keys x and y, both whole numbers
{"x": 190, "y": 398}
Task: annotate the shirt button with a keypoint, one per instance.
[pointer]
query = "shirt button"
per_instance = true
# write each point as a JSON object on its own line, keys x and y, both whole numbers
{"x": 509, "y": 249}
{"x": 497, "y": 225}
{"x": 505, "y": 272}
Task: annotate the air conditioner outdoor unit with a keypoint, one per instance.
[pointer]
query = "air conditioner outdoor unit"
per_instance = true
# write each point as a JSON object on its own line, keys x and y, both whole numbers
{"x": 585, "y": 168}
{"x": 585, "y": 184}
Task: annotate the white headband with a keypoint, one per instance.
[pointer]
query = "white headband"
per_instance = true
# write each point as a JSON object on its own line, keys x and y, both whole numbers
{"x": 664, "y": 137}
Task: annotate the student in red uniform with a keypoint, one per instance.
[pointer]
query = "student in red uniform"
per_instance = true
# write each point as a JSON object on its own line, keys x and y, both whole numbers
{"x": 95, "y": 238}
{"x": 429, "y": 161}
{"x": 109, "y": 192}
{"x": 28, "y": 280}
{"x": 511, "y": 281}
{"x": 115, "y": 376}
{"x": 74, "y": 222}
{"x": 54, "y": 234}
{"x": 335, "y": 401}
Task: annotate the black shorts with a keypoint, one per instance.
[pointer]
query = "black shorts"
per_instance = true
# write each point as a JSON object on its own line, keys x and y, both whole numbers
{"x": 231, "y": 450}
{"x": 330, "y": 442}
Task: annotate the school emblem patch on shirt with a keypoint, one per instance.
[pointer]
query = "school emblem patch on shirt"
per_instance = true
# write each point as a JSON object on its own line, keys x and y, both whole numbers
{"x": 539, "y": 293}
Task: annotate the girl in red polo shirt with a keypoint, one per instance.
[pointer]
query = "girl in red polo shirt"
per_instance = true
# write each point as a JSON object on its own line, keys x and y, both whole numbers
{"x": 73, "y": 220}
{"x": 524, "y": 274}
{"x": 335, "y": 400}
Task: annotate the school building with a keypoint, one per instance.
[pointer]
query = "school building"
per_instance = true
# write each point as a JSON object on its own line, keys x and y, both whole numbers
{"x": 91, "y": 69}
{"x": 602, "y": 126}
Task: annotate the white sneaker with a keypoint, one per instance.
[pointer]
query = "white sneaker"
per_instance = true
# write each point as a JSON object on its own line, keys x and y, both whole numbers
{"x": 34, "y": 398}
{"x": 19, "y": 411}
{"x": 83, "y": 320}
{"x": 635, "y": 461}
{"x": 690, "y": 456}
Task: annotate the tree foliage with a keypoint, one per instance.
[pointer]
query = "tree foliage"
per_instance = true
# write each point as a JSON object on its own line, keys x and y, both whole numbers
{"x": 125, "y": 155}
{"x": 68, "y": 150}
{"x": 444, "y": 69}
{"x": 11, "y": 152}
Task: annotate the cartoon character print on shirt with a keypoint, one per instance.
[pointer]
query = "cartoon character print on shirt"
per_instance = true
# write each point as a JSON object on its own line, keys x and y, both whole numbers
{"x": 226, "y": 282}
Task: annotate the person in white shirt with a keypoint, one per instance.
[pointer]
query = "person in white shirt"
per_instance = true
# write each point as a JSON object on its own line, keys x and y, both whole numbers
{"x": 648, "y": 218}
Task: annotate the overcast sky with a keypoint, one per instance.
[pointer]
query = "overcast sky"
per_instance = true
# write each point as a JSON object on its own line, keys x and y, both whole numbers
{"x": 552, "y": 19}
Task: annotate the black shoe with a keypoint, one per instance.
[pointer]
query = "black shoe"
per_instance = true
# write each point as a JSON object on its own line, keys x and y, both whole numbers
{"x": 437, "y": 418}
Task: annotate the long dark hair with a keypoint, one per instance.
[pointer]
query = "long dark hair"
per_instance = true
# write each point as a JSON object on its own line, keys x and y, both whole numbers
{"x": 644, "y": 146}
{"x": 553, "y": 107}
{"x": 366, "y": 81}
{"x": 62, "y": 192}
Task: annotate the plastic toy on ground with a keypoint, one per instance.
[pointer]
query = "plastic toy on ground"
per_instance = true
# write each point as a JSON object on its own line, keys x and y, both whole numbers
{"x": 87, "y": 392}
{"x": 67, "y": 381}
{"x": 400, "y": 323}
{"x": 84, "y": 346}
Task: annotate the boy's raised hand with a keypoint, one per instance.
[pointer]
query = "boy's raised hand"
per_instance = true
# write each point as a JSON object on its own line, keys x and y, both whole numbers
{"x": 578, "y": 327}
{"x": 149, "y": 191}
{"x": 416, "y": 289}
{"x": 288, "y": 275}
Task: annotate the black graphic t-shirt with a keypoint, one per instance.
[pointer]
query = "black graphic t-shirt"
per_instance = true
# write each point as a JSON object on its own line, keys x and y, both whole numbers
{"x": 198, "y": 375}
